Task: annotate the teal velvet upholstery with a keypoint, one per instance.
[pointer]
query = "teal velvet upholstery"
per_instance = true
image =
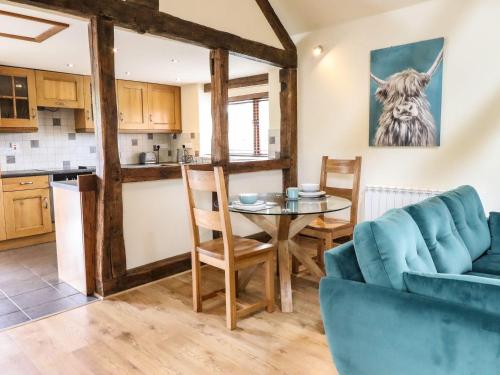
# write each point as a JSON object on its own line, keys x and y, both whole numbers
{"x": 474, "y": 291}
{"x": 389, "y": 246}
{"x": 468, "y": 214}
{"x": 488, "y": 263}
{"x": 372, "y": 330}
{"x": 341, "y": 262}
{"x": 406, "y": 318}
{"x": 448, "y": 251}
{"x": 494, "y": 223}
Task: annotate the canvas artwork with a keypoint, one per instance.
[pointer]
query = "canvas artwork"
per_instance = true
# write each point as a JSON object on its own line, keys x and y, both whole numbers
{"x": 405, "y": 95}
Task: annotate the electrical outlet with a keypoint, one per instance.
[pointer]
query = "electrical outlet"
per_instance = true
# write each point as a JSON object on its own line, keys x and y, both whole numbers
{"x": 13, "y": 146}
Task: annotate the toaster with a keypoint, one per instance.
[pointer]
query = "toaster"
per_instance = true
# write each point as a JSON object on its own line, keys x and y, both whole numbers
{"x": 147, "y": 158}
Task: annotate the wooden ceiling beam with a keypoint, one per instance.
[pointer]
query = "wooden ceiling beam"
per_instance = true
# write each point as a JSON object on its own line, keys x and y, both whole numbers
{"x": 143, "y": 19}
{"x": 256, "y": 80}
{"x": 275, "y": 23}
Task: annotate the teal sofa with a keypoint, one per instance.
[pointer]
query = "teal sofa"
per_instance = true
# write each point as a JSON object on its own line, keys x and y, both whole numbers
{"x": 417, "y": 291}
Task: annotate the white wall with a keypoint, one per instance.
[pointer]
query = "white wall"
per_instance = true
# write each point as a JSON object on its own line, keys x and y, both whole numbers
{"x": 334, "y": 97}
{"x": 155, "y": 216}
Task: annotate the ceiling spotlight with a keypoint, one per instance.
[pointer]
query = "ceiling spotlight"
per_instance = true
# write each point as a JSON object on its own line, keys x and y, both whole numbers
{"x": 115, "y": 50}
{"x": 178, "y": 79}
{"x": 127, "y": 73}
{"x": 318, "y": 50}
{"x": 174, "y": 61}
{"x": 69, "y": 65}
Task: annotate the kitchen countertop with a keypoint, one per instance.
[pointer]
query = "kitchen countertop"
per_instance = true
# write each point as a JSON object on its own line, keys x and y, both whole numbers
{"x": 43, "y": 172}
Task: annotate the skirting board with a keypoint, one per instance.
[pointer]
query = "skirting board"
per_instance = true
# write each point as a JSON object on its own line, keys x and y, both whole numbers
{"x": 17, "y": 243}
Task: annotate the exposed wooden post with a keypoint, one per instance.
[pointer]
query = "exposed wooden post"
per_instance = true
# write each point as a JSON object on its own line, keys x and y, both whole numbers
{"x": 110, "y": 244}
{"x": 288, "y": 131}
{"x": 219, "y": 70}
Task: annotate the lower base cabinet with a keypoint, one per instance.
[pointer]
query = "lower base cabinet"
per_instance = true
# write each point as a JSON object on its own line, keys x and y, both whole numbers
{"x": 27, "y": 213}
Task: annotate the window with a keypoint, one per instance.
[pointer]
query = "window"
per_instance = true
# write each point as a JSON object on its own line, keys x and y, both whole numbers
{"x": 249, "y": 127}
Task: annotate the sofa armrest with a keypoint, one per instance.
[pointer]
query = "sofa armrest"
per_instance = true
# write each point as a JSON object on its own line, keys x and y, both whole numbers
{"x": 473, "y": 291}
{"x": 377, "y": 330}
{"x": 494, "y": 224}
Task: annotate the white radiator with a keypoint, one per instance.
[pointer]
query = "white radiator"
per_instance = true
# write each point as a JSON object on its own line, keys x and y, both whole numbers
{"x": 379, "y": 199}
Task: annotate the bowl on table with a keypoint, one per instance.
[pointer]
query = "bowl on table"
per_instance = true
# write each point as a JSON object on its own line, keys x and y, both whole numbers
{"x": 309, "y": 188}
{"x": 248, "y": 198}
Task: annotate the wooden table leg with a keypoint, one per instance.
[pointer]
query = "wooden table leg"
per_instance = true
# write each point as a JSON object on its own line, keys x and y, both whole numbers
{"x": 285, "y": 277}
{"x": 305, "y": 259}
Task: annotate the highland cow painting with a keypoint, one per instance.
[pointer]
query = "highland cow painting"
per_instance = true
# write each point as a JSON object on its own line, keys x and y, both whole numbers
{"x": 405, "y": 95}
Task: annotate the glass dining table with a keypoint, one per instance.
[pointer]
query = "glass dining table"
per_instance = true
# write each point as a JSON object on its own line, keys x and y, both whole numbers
{"x": 283, "y": 219}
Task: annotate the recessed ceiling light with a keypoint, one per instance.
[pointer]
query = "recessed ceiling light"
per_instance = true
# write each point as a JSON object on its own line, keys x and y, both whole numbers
{"x": 174, "y": 60}
{"x": 318, "y": 50}
{"x": 115, "y": 50}
{"x": 69, "y": 65}
{"x": 178, "y": 79}
{"x": 127, "y": 73}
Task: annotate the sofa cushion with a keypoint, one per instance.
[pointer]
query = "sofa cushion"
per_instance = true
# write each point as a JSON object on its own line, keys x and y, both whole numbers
{"x": 341, "y": 262}
{"x": 389, "y": 246}
{"x": 494, "y": 224}
{"x": 468, "y": 214}
{"x": 479, "y": 292}
{"x": 448, "y": 251}
{"x": 488, "y": 263}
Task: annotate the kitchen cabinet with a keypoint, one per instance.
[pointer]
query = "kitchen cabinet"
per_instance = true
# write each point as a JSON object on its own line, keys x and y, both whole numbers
{"x": 59, "y": 90}
{"x": 84, "y": 118}
{"x": 18, "y": 101}
{"x": 3, "y": 235}
{"x": 164, "y": 105}
{"x": 132, "y": 106}
{"x": 26, "y": 203}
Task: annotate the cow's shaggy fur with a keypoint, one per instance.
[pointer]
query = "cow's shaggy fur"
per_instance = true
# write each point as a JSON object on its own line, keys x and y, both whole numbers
{"x": 406, "y": 119}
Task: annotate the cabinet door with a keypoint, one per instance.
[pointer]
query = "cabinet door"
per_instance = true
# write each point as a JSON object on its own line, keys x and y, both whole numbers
{"x": 59, "y": 90}
{"x": 18, "y": 105}
{"x": 164, "y": 107}
{"x": 27, "y": 213}
{"x": 3, "y": 235}
{"x": 132, "y": 105}
{"x": 84, "y": 118}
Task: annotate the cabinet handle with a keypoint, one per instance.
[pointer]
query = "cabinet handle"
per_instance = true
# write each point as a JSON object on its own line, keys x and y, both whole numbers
{"x": 26, "y": 183}
{"x": 33, "y": 113}
{"x": 121, "y": 116}
{"x": 88, "y": 115}
{"x": 46, "y": 203}
{"x": 60, "y": 103}
{"x": 150, "y": 117}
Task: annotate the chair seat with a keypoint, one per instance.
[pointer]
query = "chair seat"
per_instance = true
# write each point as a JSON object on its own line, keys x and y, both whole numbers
{"x": 330, "y": 224}
{"x": 243, "y": 248}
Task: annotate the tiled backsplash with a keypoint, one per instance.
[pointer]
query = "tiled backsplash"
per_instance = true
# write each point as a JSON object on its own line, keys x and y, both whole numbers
{"x": 57, "y": 146}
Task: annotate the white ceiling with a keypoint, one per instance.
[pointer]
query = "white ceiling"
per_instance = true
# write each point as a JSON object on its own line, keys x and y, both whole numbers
{"x": 146, "y": 57}
{"x": 299, "y": 16}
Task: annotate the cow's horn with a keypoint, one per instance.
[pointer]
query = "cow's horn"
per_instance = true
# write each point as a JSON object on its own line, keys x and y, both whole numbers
{"x": 435, "y": 65}
{"x": 379, "y": 81}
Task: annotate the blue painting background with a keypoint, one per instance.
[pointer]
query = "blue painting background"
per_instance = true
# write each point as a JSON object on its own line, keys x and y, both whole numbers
{"x": 419, "y": 56}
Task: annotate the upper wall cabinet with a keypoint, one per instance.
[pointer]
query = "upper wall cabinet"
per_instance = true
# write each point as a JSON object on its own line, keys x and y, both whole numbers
{"x": 132, "y": 105}
{"x": 84, "y": 118}
{"x": 18, "y": 102}
{"x": 164, "y": 104}
{"x": 59, "y": 90}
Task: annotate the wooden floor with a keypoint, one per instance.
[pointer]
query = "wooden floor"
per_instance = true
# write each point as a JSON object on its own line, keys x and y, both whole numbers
{"x": 152, "y": 330}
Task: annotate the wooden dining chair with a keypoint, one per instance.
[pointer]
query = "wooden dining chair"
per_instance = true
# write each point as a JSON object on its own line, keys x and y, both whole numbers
{"x": 229, "y": 253}
{"x": 326, "y": 229}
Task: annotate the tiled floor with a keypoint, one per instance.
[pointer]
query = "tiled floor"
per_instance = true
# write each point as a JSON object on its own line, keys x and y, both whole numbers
{"x": 30, "y": 288}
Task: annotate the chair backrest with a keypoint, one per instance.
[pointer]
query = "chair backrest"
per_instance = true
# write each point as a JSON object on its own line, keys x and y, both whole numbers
{"x": 214, "y": 182}
{"x": 345, "y": 167}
